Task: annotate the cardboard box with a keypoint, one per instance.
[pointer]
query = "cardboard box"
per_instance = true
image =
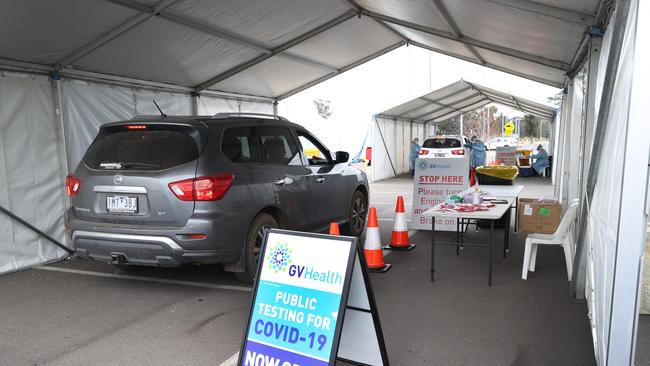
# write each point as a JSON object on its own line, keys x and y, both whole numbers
{"x": 539, "y": 217}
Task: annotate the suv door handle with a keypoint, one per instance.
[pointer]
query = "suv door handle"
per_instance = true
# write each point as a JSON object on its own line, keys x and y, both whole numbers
{"x": 279, "y": 182}
{"x": 320, "y": 180}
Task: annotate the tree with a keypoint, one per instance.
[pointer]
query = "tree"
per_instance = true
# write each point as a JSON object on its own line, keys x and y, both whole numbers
{"x": 448, "y": 127}
{"x": 530, "y": 127}
{"x": 482, "y": 122}
{"x": 556, "y": 100}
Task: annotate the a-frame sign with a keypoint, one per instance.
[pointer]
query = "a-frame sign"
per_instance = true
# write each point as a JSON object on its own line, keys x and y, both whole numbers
{"x": 312, "y": 304}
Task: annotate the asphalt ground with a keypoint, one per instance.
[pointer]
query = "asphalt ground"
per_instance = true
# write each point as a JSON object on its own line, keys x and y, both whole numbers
{"x": 80, "y": 312}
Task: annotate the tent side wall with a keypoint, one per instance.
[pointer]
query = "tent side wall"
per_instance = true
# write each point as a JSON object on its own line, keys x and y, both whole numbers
{"x": 391, "y": 142}
{"x": 616, "y": 215}
{"x": 42, "y": 140}
{"x": 31, "y": 163}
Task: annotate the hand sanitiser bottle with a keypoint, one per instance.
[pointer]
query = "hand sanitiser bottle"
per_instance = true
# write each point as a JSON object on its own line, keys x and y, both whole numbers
{"x": 476, "y": 197}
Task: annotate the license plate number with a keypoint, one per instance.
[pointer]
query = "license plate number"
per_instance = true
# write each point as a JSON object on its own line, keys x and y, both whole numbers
{"x": 440, "y": 155}
{"x": 122, "y": 204}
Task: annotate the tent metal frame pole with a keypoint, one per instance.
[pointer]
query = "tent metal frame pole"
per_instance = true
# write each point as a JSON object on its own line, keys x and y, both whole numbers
{"x": 540, "y": 80}
{"x": 281, "y": 48}
{"x": 547, "y": 10}
{"x": 455, "y": 30}
{"x": 215, "y": 31}
{"x": 37, "y": 231}
{"x": 113, "y": 33}
{"x": 460, "y": 110}
{"x": 441, "y": 98}
{"x": 578, "y": 277}
{"x": 342, "y": 70}
{"x": 555, "y": 64}
{"x": 444, "y": 106}
{"x": 145, "y": 84}
{"x": 385, "y": 147}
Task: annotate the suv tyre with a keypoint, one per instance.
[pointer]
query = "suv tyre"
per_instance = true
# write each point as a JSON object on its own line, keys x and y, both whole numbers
{"x": 357, "y": 214}
{"x": 254, "y": 242}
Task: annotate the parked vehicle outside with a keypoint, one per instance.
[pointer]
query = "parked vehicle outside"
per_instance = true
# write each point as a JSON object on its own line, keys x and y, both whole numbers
{"x": 168, "y": 191}
{"x": 496, "y": 142}
{"x": 445, "y": 146}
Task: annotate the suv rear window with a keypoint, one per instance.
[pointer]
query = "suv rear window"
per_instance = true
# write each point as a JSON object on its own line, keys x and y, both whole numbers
{"x": 141, "y": 150}
{"x": 441, "y": 143}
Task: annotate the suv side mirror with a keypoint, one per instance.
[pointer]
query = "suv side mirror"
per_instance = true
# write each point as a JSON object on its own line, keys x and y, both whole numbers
{"x": 342, "y": 157}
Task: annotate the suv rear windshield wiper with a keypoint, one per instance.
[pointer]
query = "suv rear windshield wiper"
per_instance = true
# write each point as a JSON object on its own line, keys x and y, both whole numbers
{"x": 129, "y": 164}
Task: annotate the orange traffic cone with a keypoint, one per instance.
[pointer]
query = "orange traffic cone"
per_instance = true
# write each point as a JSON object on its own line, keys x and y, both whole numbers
{"x": 399, "y": 239}
{"x": 372, "y": 249}
{"x": 334, "y": 229}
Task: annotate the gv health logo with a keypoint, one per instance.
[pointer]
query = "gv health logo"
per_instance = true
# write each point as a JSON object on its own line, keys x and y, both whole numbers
{"x": 427, "y": 165}
{"x": 280, "y": 258}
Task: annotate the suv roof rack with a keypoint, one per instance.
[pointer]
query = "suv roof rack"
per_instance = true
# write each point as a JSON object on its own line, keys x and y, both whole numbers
{"x": 257, "y": 115}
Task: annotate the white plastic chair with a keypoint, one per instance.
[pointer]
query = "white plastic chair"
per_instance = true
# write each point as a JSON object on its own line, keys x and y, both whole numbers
{"x": 562, "y": 236}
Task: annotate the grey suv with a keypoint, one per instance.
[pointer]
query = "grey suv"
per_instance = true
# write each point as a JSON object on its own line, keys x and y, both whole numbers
{"x": 167, "y": 191}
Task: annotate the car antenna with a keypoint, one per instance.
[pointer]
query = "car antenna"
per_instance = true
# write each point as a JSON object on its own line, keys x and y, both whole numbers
{"x": 160, "y": 110}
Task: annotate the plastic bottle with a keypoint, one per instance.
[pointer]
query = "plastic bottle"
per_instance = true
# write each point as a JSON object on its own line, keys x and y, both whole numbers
{"x": 476, "y": 197}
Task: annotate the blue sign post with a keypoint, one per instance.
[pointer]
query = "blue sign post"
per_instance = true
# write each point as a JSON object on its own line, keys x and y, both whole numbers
{"x": 299, "y": 301}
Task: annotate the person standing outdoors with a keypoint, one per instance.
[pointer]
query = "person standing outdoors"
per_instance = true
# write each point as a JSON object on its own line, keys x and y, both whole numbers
{"x": 413, "y": 154}
{"x": 477, "y": 147}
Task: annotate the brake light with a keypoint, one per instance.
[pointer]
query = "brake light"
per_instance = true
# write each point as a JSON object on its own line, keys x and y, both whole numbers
{"x": 458, "y": 152}
{"x": 72, "y": 185}
{"x": 210, "y": 188}
{"x": 424, "y": 152}
{"x": 136, "y": 127}
{"x": 183, "y": 189}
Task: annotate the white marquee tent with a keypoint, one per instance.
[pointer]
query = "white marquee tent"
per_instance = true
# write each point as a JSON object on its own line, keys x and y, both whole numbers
{"x": 67, "y": 66}
{"x": 395, "y": 128}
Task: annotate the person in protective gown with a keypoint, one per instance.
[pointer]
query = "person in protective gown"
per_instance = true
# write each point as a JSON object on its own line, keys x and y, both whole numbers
{"x": 477, "y": 147}
{"x": 542, "y": 162}
{"x": 413, "y": 154}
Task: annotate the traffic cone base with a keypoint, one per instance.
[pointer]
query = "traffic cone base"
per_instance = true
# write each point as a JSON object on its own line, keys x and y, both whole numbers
{"x": 383, "y": 269}
{"x": 400, "y": 236}
{"x": 401, "y": 248}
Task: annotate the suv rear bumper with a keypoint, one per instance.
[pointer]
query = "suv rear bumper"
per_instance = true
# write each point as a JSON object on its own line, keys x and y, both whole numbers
{"x": 147, "y": 247}
{"x": 133, "y": 249}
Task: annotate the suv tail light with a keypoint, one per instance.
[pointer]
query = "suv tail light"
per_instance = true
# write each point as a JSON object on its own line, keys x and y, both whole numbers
{"x": 72, "y": 185}
{"x": 210, "y": 188}
{"x": 424, "y": 152}
{"x": 458, "y": 152}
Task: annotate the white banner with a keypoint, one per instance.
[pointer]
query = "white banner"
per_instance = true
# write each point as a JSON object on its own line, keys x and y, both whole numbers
{"x": 435, "y": 179}
{"x": 506, "y": 155}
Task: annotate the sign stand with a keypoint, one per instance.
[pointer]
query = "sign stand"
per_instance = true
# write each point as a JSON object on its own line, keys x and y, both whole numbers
{"x": 362, "y": 340}
{"x": 312, "y": 304}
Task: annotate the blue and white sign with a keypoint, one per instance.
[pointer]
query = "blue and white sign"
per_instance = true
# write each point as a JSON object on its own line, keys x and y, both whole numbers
{"x": 301, "y": 289}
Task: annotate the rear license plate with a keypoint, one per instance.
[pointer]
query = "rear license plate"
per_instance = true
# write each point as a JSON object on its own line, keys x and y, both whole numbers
{"x": 440, "y": 155}
{"x": 122, "y": 204}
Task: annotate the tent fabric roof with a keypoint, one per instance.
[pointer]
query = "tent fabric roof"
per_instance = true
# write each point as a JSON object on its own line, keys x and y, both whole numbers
{"x": 276, "y": 48}
{"x": 460, "y": 97}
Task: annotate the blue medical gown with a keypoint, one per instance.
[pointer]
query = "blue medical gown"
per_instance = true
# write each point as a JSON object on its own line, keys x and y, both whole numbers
{"x": 413, "y": 154}
{"x": 477, "y": 157}
{"x": 541, "y": 161}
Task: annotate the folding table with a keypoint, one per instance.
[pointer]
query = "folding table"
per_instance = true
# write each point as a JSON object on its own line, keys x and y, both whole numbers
{"x": 493, "y": 214}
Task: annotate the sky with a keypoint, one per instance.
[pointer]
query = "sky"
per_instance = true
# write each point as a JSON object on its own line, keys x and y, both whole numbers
{"x": 388, "y": 81}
